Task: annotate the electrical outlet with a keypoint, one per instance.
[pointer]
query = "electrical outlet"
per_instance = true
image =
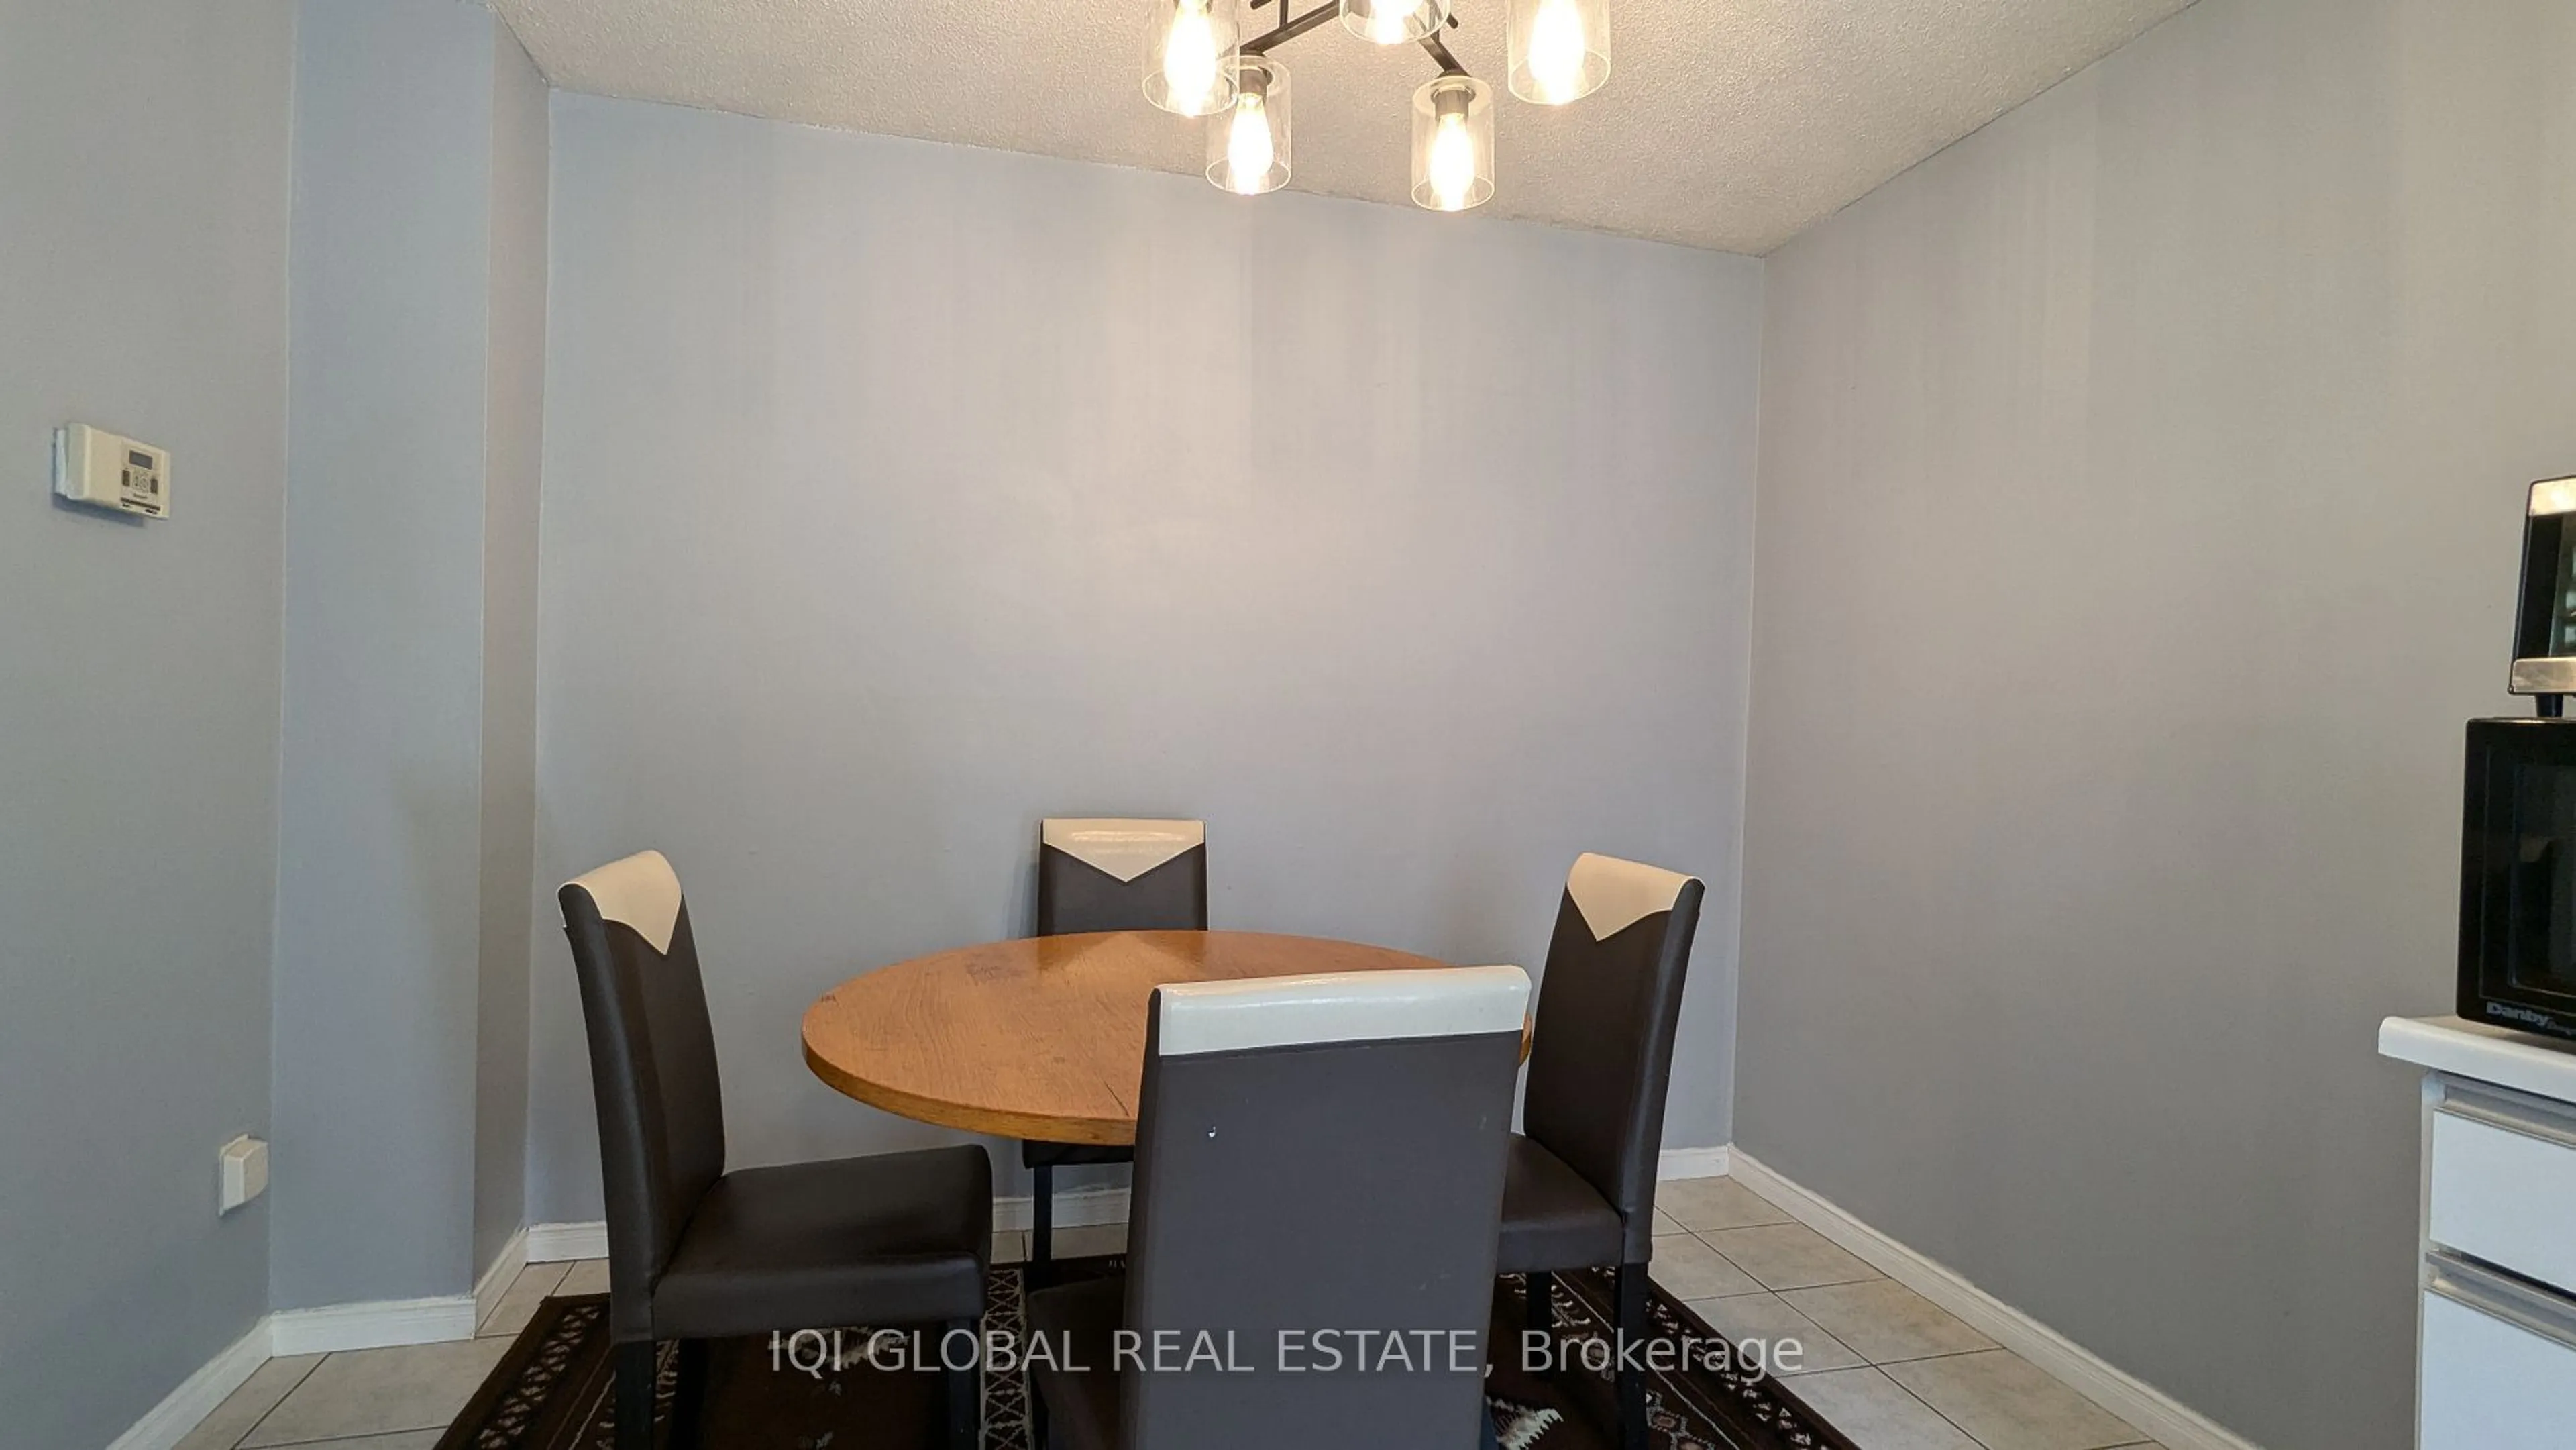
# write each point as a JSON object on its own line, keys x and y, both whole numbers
{"x": 245, "y": 1172}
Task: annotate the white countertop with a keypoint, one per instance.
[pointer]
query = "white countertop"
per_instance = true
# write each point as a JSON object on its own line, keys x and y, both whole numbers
{"x": 2529, "y": 1063}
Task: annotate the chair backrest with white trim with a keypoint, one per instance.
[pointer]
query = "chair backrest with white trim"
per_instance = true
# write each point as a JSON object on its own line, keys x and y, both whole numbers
{"x": 652, "y": 1067}
{"x": 1102, "y": 874}
{"x": 1601, "y": 1061}
{"x": 1321, "y": 1153}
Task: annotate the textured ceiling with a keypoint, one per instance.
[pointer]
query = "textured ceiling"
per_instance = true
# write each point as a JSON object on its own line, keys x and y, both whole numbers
{"x": 1731, "y": 124}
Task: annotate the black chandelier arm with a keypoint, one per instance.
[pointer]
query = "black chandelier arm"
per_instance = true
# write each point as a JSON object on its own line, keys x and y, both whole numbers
{"x": 1290, "y": 27}
{"x": 1449, "y": 65}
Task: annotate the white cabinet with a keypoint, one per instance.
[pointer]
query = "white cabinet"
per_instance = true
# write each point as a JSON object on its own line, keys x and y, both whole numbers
{"x": 2496, "y": 1360}
{"x": 2494, "y": 1373}
{"x": 2504, "y": 1184}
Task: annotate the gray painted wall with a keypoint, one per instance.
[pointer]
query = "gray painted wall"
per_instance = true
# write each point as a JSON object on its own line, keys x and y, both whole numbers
{"x": 898, "y": 494}
{"x": 514, "y": 396}
{"x": 2139, "y": 514}
{"x": 142, "y": 288}
{"x": 405, "y": 192}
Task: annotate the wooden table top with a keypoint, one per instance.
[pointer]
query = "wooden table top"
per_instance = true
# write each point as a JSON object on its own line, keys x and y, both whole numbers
{"x": 1040, "y": 1039}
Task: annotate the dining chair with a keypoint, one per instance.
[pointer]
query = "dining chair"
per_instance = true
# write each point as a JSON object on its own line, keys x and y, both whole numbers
{"x": 1580, "y": 1191}
{"x": 698, "y": 1253}
{"x": 1121, "y": 875}
{"x": 1321, "y": 1153}
{"x": 1102, "y": 874}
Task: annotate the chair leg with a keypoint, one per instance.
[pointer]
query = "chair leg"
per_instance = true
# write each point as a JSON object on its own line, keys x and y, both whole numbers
{"x": 965, "y": 1389}
{"x": 689, "y": 1396}
{"x": 1632, "y": 1381}
{"x": 636, "y": 1366}
{"x": 1041, "y": 1215}
{"x": 1539, "y": 1299}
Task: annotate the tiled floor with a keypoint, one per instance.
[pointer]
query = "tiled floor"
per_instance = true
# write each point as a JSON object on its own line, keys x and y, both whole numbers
{"x": 1884, "y": 1365}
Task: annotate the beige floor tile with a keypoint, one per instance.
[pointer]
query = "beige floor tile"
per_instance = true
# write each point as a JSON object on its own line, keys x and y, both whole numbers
{"x": 405, "y": 1440}
{"x": 519, "y": 1302}
{"x": 1010, "y": 1245}
{"x": 1688, "y": 1269}
{"x": 1713, "y": 1203}
{"x": 1887, "y": 1322}
{"x": 1786, "y": 1256}
{"x": 246, "y": 1406}
{"x": 1665, "y": 1223}
{"x": 1876, "y": 1412}
{"x": 1774, "y": 1335}
{"x": 377, "y": 1391}
{"x": 2008, "y": 1403}
{"x": 1090, "y": 1240}
{"x": 585, "y": 1276}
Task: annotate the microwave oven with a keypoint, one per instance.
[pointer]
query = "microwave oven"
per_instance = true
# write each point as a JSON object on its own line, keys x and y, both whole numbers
{"x": 2518, "y": 876}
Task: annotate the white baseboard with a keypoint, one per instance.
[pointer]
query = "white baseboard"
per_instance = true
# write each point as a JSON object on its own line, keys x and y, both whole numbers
{"x": 298, "y": 1331}
{"x": 372, "y": 1326}
{"x": 555, "y": 1243}
{"x": 1692, "y": 1163}
{"x": 2154, "y": 1413}
{"x": 496, "y": 1279}
{"x": 179, "y": 1412}
{"x": 321, "y": 1331}
{"x": 430, "y": 1321}
{"x": 549, "y": 1243}
{"x": 1074, "y": 1208}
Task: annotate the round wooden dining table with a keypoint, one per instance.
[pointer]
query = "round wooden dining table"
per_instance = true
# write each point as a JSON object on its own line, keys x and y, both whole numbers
{"x": 1040, "y": 1039}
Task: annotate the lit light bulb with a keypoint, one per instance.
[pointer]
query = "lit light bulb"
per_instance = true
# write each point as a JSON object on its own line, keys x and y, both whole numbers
{"x": 1190, "y": 59}
{"x": 1556, "y": 50}
{"x": 1248, "y": 152}
{"x": 1453, "y": 162}
{"x": 1389, "y": 21}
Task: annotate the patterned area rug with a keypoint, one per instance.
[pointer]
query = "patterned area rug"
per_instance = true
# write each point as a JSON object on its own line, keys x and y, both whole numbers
{"x": 554, "y": 1389}
{"x": 1728, "y": 1404}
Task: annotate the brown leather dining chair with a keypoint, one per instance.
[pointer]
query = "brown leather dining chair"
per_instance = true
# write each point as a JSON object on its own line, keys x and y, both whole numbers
{"x": 698, "y": 1253}
{"x": 1321, "y": 1153}
{"x": 1581, "y": 1189}
{"x": 1101, "y": 874}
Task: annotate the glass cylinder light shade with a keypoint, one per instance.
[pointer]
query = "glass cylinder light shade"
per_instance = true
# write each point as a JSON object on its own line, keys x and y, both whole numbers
{"x": 1560, "y": 49}
{"x": 1453, "y": 143}
{"x": 1394, "y": 22}
{"x": 1247, "y": 144}
{"x": 1189, "y": 55}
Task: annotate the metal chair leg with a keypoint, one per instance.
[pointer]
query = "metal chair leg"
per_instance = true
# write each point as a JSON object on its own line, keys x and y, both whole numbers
{"x": 1041, "y": 1215}
{"x": 1632, "y": 1381}
{"x": 637, "y": 1364}
{"x": 965, "y": 1388}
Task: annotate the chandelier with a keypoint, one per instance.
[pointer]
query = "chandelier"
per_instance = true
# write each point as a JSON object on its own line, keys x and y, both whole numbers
{"x": 1198, "y": 64}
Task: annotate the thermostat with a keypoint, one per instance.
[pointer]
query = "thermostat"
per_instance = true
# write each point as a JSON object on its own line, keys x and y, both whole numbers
{"x": 99, "y": 468}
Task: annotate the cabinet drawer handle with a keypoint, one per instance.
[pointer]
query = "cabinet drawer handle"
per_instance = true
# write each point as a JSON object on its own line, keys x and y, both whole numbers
{"x": 2510, "y": 1114}
{"x": 2498, "y": 1295}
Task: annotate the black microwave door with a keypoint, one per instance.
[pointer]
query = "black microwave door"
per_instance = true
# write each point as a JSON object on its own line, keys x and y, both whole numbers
{"x": 2520, "y": 916}
{"x": 2538, "y": 892}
